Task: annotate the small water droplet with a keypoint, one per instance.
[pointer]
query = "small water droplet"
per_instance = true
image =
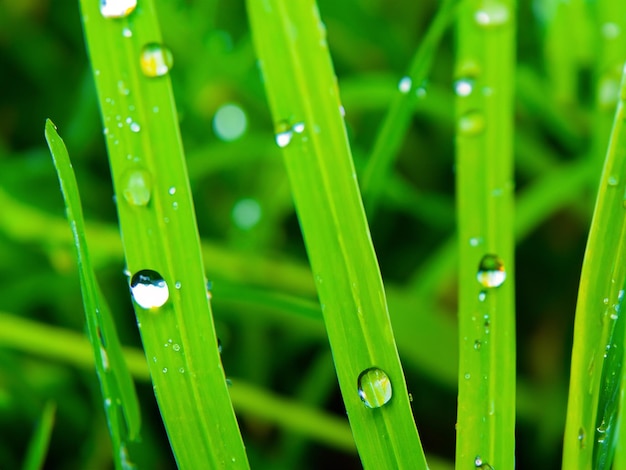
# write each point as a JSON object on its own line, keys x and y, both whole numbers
{"x": 405, "y": 84}
{"x": 181, "y": 370}
{"x": 177, "y": 285}
{"x": 374, "y": 387}
{"x": 127, "y": 33}
{"x": 156, "y": 60}
{"x": 581, "y": 437}
{"x": 172, "y": 190}
{"x": 176, "y": 347}
{"x": 284, "y": 134}
{"x": 477, "y": 344}
{"x": 613, "y": 180}
{"x": 492, "y": 14}
{"x": 491, "y": 272}
{"x": 298, "y": 127}
{"x": 482, "y": 295}
{"x": 467, "y": 376}
{"x": 464, "y": 86}
{"x": 471, "y": 123}
{"x": 165, "y": 370}
{"x": 474, "y": 241}
{"x": 137, "y": 185}
{"x": 134, "y": 127}
{"x": 122, "y": 88}
{"x": 117, "y": 8}
{"x": 149, "y": 289}
{"x": 104, "y": 357}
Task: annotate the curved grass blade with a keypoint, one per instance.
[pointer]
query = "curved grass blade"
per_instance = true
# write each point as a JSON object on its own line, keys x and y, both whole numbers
{"x": 485, "y": 196}
{"x": 302, "y": 90}
{"x": 161, "y": 243}
{"x": 116, "y": 382}
{"x": 39, "y": 443}
{"x": 602, "y": 280}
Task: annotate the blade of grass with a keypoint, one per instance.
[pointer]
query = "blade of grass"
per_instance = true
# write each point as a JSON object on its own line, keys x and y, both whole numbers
{"x": 159, "y": 234}
{"x": 484, "y": 168}
{"x": 603, "y": 276}
{"x": 398, "y": 117}
{"x": 116, "y": 383}
{"x": 40, "y": 441}
{"x": 301, "y": 86}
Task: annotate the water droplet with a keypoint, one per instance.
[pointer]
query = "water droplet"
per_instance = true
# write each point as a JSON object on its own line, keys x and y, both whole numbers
{"x": 477, "y": 344}
{"x": 474, "y": 241}
{"x": 165, "y": 370}
{"x": 177, "y": 285}
{"x": 149, "y": 289}
{"x": 137, "y": 185}
{"x": 246, "y": 213}
{"x": 613, "y": 180}
{"x": 176, "y": 347}
{"x": 610, "y": 30}
{"x": 172, "y": 190}
{"x": 467, "y": 376}
{"x": 117, "y": 8}
{"x": 104, "y": 357}
{"x": 156, "y": 60}
{"x": 464, "y": 86}
{"x": 122, "y": 88}
{"x": 298, "y": 127}
{"x": 230, "y": 122}
{"x": 491, "y": 271}
{"x": 581, "y": 437}
{"x": 127, "y": 33}
{"x": 482, "y": 295}
{"x": 471, "y": 123}
{"x": 492, "y": 14}
{"x": 181, "y": 370}
{"x": 284, "y": 134}
{"x": 134, "y": 127}
{"x": 478, "y": 462}
{"x": 405, "y": 84}
{"x": 374, "y": 387}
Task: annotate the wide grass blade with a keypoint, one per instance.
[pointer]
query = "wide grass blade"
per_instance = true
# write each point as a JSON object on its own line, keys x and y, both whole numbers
{"x": 484, "y": 167}
{"x": 291, "y": 44}
{"x": 161, "y": 243}
{"x": 116, "y": 383}
{"x": 591, "y": 402}
{"x": 40, "y": 441}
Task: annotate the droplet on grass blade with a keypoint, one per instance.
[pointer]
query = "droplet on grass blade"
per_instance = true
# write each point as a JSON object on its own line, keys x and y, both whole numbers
{"x": 117, "y": 8}
{"x": 464, "y": 87}
{"x": 137, "y": 187}
{"x": 491, "y": 272}
{"x": 156, "y": 60}
{"x": 374, "y": 387}
{"x": 471, "y": 123}
{"x": 284, "y": 134}
{"x": 405, "y": 84}
{"x": 230, "y": 122}
{"x": 149, "y": 289}
{"x": 492, "y": 14}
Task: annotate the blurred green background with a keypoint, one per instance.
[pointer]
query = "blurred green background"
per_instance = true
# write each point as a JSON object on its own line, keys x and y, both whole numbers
{"x": 570, "y": 57}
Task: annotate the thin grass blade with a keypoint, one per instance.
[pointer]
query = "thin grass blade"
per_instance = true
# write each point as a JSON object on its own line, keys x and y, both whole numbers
{"x": 40, "y": 441}
{"x": 291, "y": 44}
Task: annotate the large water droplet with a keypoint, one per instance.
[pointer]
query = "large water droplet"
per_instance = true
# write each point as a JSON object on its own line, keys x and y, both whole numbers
{"x": 492, "y": 14}
{"x": 471, "y": 123}
{"x": 405, "y": 84}
{"x": 149, "y": 289}
{"x": 137, "y": 187}
{"x": 156, "y": 60}
{"x": 284, "y": 134}
{"x": 374, "y": 387}
{"x": 491, "y": 272}
{"x": 464, "y": 86}
{"x": 117, "y": 8}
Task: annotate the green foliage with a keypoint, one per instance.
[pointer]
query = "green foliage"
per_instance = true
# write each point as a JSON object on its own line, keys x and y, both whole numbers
{"x": 548, "y": 122}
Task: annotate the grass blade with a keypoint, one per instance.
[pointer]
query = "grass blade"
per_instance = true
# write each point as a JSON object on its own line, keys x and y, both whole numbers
{"x": 116, "y": 383}
{"x": 161, "y": 242}
{"x": 484, "y": 166}
{"x": 39, "y": 443}
{"x": 301, "y": 86}
{"x": 600, "y": 292}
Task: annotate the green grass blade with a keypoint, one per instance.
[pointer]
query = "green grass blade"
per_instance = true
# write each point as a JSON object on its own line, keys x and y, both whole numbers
{"x": 302, "y": 91}
{"x": 484, "y": 167}
{"x": 159, "y": 233}
{"x": 116, "y": 383}
{"x": 602, "y": 280}
{"x": 398, "y": 117}
{"x": 40, "y": 441}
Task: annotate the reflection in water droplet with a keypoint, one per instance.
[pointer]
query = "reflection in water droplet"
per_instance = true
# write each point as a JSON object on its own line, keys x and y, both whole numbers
{"x": 405, "y": 84}
{"x": 492, "y": 14}
{"x": 176, "y": 347}
{"x": 472, "y": 123}
{"x": 613, "y": 180}
{"x": 149, "y": 289}
{"x": 464, "y": 86}
{"x": 581, "y": 437}
{"x": 374, "y": 387}
{"x": 491, "y": 272}
{"x": 482, "y": 295}
{"x": 117, "y": 8}
{"x": 127, "y": 33}
{"x": 284, "y": 134}
{"x": 137, "y": 184}
{"x": 165, "y": 370}
{"x": 156, "y": 60}
{"x": 477, "y": 344}
{"x": 134, "y": 127}
{"x": 298, "y": 127}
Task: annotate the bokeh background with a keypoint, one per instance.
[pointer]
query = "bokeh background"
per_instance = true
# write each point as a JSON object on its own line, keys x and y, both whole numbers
{"x": 569, "y": 57}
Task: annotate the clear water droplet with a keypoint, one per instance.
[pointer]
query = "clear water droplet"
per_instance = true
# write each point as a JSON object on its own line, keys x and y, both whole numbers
{"x": 298, "y": 127}
{"x": 374, "y": 387}
{"x": 467, "y": 376}
{"x": 284, "y": 134}
{"x": 478, "y": 462}
{"x": 464, "y": 86}
{"x": 134, "y": 127}
{"x": 613, "y": 180}
{"x": 172, "y": 190}
{"x": 165, "y": 370}
{"x": 176, "y": 347}
{"x": 405, "y": 84}
{"x": 230, "y": 122}
{"x": 156, "y": 60}
{"x": 492, "y": 14}
{"x": 491, "y": 272}
{"x": 104, "y": 358}
{"x": 137, "y": 185}
{"x": 471, "y": 123}
{"x": 149, "y": 289}
{"x": 581, "y": 437}
{"x": 181, "y": 370}
{"x": 178, "y": 285}
{"x": 127, "y": 33}
{"x": 477, "y": 344}
{"x": 482, "y": 295}
{"x": 117, "y": 8}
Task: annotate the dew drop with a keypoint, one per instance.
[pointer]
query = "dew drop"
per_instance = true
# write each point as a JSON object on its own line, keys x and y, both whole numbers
{"x": 581, "y": 437}
{"x": 298, "y": 127}
{"x": 137, "y": 187}
{"x": 127, "y": 33}
{"x": 284, "y": 134}
{"x": 230, "y": 122}
{"x": 467, "y": 376}
{"x": 134, "y": 127}
{"x": 374, "y": 387}
{"x": 405, "y": 84}
{"x": 181, "y": 370}
{"x": 491, "y": 271}
{"x": 165, "y": 370}
{"x": 492, "y": 14}
{"x": 177, "y": 285}
{"x": 176, "y": 347}
{"x": 477, "y": 344}
{"x": 117, "y": 8}
{"x": 464, "y": 86}
{"x": 156, "y": 60}
{"x": 172, "y": 191}
{"x": 149, "y": 289}
{"x": 613, "y": 180}
{"x": 482, "y": 295}
{"x": 471, "y": 123}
